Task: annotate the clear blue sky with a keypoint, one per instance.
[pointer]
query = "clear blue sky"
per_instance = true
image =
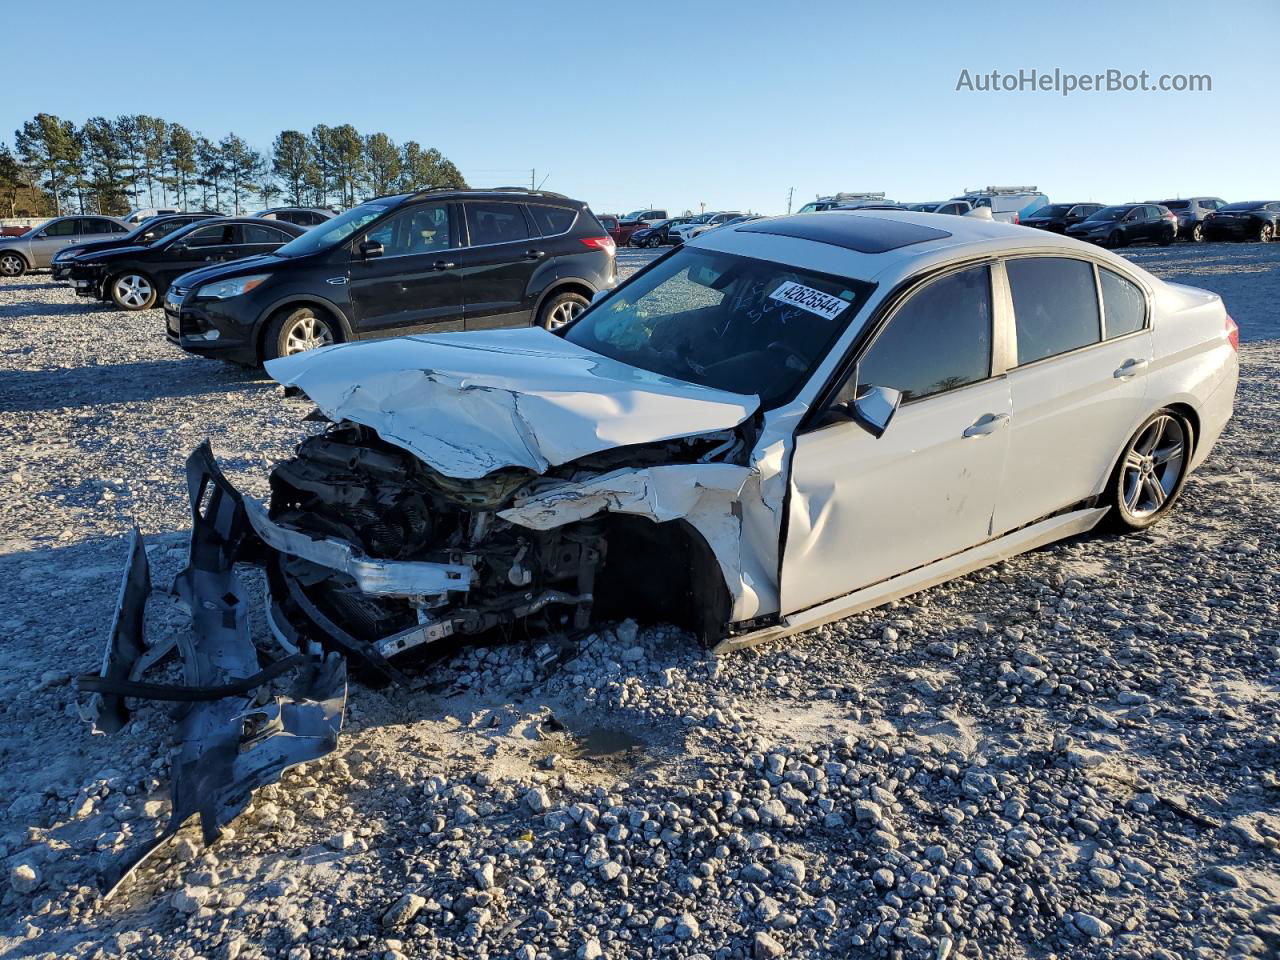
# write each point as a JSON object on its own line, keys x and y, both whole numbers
{"x": 624, "y": 104}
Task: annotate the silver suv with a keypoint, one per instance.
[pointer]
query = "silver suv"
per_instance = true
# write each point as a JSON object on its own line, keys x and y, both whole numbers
{"x": 34, "y": 250}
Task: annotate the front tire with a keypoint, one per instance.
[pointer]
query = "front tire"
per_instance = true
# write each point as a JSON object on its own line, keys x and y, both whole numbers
{"x": 12, "y": 264}
{"x": 298, "y": 330}
{"x": 561, "y": 309}
{"x": 1265, "y": 232}
{"x": 132, "y": 291}
{"x": 1151, "y": 471}
{"x": 1115, "y": 241}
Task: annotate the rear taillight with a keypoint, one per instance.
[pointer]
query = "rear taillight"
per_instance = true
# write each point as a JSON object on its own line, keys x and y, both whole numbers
{"x": 601, "y": 243}
{"x": 1233, "y": 333}
{"x": 1016, "y": 218}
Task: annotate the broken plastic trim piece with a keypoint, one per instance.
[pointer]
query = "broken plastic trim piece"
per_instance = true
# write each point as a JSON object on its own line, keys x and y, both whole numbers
{"x": 232, "y": 745}
{"x": 398, "y": 578}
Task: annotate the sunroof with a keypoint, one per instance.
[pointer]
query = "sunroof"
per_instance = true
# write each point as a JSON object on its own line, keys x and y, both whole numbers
{"x": 848, "y": 230}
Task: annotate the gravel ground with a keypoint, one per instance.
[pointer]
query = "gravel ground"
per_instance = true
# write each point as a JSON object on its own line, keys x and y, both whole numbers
{"x": 1072, "y": 754}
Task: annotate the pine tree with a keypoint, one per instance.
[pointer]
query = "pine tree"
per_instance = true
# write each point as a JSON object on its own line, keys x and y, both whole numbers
{"x": 322, "y": 150}
{"x": 293, "y": 160}
{"x": 348, "y": 162}
{"x": 107, "y": 165}
{"x": 381, "y": 164}
{"x": 211, "y": 171}
{"x": 181, "y": 157}
{"x": 241, "y": 162}
{"x": 45, "y": 144}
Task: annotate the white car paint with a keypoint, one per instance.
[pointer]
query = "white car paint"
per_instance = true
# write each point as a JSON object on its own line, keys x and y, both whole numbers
{"x": 822, "y": 523}
{"x": 467, "y": 404}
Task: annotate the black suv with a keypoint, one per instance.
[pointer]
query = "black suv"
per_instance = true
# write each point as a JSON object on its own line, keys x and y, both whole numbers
{"x": 145, "y": 234}
{"x": 438, "y": 260}
{"x": 135, "y": 277}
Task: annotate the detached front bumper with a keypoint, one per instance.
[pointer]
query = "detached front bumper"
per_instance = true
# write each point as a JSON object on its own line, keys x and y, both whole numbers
{"x": 241, "y": 728}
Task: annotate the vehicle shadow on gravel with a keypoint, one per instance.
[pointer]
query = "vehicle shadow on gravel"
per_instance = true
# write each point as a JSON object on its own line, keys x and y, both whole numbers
{"x": 15, "y": 287}
{"x": 141, "y": 381}
{"x": 31, "y": 310}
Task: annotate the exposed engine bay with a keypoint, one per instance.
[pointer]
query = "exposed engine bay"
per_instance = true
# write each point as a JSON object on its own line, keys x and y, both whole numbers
{"x": 348, "y": 484}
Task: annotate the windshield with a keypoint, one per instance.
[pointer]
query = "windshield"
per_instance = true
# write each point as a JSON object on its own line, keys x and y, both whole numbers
{"x": 1237, "y": 207}
{"x": 724, "y": 321}
{"x": 1110, "y": 213}
{"x": 1176, "y": 204}
{"x": 332, "y": 232}
{"x": 1053, "y": 210}
{"x": 810, "y": 207}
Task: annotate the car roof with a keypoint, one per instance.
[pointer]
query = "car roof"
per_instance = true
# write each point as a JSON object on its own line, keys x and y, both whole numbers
{"x": 892, "y": 242}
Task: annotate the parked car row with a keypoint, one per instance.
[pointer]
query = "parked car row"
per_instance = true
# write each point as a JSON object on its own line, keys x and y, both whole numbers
{"x": 248, "y": 289}
{"x": 54, "y": 243}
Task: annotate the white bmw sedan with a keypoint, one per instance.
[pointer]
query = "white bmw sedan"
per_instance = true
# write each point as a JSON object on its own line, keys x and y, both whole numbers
{"x": 777, "y": 424}
{"x": 773, "y": 426}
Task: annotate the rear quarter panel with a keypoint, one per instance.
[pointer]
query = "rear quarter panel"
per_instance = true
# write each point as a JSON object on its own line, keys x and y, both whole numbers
{"x": 1193, "y": 362}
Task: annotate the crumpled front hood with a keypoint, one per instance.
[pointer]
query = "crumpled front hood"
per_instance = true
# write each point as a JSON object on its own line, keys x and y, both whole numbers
{"x": 467, "y": 404}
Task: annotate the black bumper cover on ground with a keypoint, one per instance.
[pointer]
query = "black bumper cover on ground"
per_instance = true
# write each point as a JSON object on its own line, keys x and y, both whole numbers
{"x": 237, "y": 734}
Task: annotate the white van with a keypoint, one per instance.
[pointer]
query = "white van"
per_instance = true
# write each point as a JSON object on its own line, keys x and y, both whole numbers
{"x": 1007, "y": 204}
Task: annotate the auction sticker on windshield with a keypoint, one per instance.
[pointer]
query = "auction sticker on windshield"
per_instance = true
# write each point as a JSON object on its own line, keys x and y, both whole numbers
{"x": 807, "y": 298}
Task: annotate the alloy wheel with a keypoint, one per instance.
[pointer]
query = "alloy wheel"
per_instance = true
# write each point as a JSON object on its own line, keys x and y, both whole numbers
{"x": 1153, "y": 466}
{"x": 11, "y": 265}
{"x": 132, "y": 290}
{"x": 562, "y": 313}
{"x": 307, "y": 333}
{"x": 1197, "y": 233}
{"x": 1264, "y": 233}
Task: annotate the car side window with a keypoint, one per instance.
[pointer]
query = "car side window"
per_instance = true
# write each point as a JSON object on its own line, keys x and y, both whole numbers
{"x": 1055, "y": 305}
{"x": 495, "y": 223}
{"x": 422, "y": 228}
{"x": 63, "y": 228}
{"x": 1124, "y": 305}
{"x": 940, "y": 339}
{"x": 210, "y": 236}
{"x": 553, "y": 220}
{"x": 261, "y": 233}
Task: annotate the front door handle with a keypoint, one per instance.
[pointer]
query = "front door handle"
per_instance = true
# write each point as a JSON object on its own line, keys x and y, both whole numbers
{"x": 986, "y": 424}
{"x": 1130, "y": 368}
{"x": 535, "y": 254}
{"x": 444, "y": 265}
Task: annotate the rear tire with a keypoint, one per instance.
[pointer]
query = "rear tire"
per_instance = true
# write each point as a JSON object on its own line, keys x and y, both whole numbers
{"x": 1151, "y": 470}
{"x": 12, "y": 264}
{"x": 1265, "y": 232}
{"x": 1166, "y": 240}
{"x": 297, "y": 330}
{"x": 1197, "y": 233}
{"x": 560, "y": 309}
{"x": 132, "y": 291}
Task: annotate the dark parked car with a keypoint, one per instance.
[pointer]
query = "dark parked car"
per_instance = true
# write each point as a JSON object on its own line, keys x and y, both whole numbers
{"x": 135, "y": 278}
{"x": 1192, "y": 213}
{"x": 436, "y": 260}
{"x": 1056, "y": 217}
{"x": 651, "y": 236}
{"x": 1126, "y": 223}
{"x": 145, "y": 234}
{"x": 1254, "y": 220}
{"x": 302, "y": 216}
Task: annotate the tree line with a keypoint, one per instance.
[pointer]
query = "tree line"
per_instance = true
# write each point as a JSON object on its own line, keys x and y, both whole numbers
{"x": 110, "y": 166}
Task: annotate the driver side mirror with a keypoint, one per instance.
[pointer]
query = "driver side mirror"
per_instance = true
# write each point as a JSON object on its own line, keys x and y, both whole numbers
{"x": 872, "y": 408}
{"x": 179, "y": 247}
{"x": 370, "y": 249}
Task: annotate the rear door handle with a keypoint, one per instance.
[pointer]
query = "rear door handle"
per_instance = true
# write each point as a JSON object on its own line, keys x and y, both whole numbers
{"x": 1130, "y": 368}
{"x": 444, "y": 265}
{"x": 986, "y": 424}
{"x": 535, "y": 254}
